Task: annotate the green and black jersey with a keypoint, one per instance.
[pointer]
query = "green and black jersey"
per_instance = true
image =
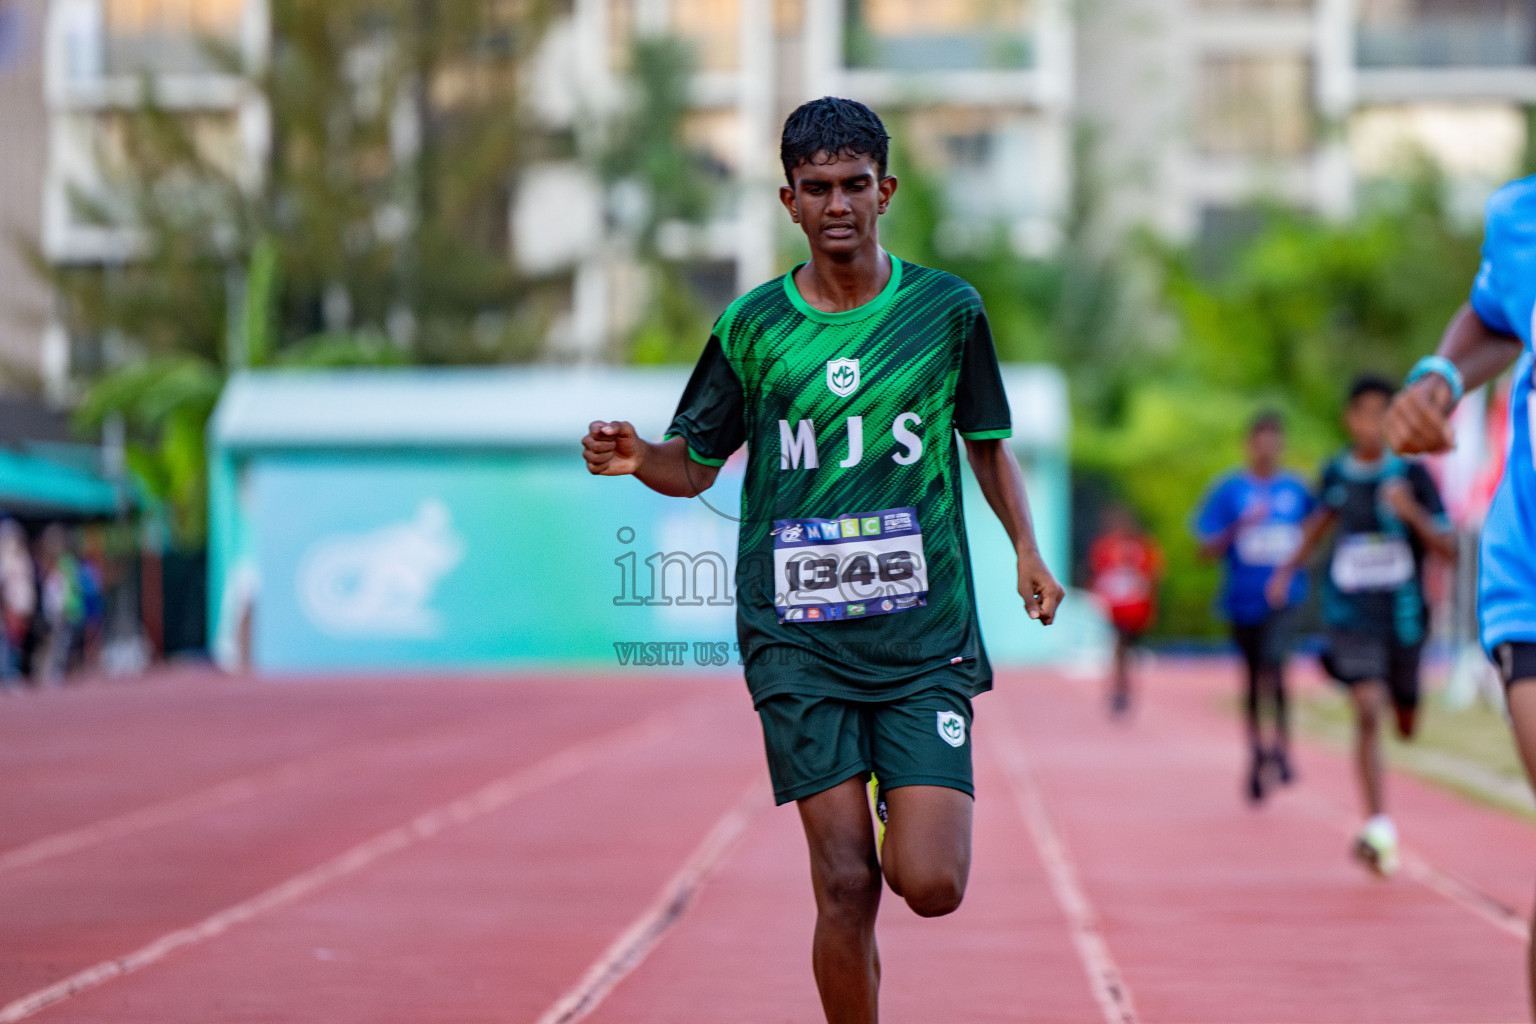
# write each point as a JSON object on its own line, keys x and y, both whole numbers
{"x": 1375, "y": 580}
{"x": 854, "y": 577}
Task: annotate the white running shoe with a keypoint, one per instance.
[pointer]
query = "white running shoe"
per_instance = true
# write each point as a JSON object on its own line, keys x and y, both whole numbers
{"x": 1376, "y": 846}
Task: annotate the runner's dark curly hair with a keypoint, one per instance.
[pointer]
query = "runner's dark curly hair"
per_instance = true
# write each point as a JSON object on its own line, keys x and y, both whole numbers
{"x": 1371, "y": 384}
{"x": 823, "y": 130}
{"x": 1266, "y": 419}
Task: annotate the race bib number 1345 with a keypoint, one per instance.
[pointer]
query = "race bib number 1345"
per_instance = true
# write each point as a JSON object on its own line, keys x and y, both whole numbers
{"x": 850, "y": 567}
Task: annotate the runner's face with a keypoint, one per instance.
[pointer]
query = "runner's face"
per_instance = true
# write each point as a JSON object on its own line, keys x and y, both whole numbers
{"x": 1264, "y": 448}
{"x": 1366, "y": 421}
{"x": 838, "y": 203}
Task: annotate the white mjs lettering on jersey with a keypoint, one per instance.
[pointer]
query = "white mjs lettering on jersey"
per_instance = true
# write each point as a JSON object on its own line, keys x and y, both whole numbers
{"x": 797, "y": 445}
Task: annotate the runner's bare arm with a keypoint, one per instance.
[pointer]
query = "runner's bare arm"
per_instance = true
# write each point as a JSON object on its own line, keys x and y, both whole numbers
{"x": 1217, "y": 544}
{"x": 614, "y": 449}
{"x": 1436, "y": 538}
{"x": 1003, "y": 484}
{"x": 1278, "y": 589}
{"x": 1417, "y": 421}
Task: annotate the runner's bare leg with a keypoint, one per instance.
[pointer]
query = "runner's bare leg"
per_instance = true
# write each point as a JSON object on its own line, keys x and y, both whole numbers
{"x": 1121, "y": 694}
{"x": 927, "y": 851}
{"x": 1275, "y": 683}
{"x": 1368, "y": 698}
{"x": 845, "y": 874}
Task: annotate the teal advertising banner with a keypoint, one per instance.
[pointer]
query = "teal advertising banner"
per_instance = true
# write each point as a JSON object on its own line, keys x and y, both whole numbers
{"x": 366, "y": 520}
{"x": 412, "y": 560}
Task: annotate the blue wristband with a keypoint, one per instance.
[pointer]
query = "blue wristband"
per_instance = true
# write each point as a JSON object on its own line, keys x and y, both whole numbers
{"x": 1442, "y": 368}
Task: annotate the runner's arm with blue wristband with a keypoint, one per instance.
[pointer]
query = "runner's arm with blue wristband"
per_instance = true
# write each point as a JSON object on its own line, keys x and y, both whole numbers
{"x": 1471, "y": 353}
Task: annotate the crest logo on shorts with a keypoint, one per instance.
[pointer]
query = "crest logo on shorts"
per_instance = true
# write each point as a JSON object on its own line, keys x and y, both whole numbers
{"x": 951, "y": 728}
{"x": 843, "y": 376}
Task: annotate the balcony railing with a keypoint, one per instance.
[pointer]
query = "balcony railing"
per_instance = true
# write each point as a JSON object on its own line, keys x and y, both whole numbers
{"x": 161, "y": 53}
{"x": 1449, "y": 42}
{"x": 1001, "y": 51}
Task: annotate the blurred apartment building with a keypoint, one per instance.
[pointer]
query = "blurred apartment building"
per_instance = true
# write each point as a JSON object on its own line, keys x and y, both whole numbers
{"x": 978, "y": 91}
{"x": 24, "y": 120}
{"x": 1197, "y": 107}
{"x": 1186, "y": 111}
{"x": 76, "y": 68}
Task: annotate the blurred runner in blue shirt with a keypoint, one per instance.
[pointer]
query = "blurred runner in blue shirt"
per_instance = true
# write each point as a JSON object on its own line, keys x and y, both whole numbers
{"x": 1490, "y": 332}
{"x": 1251, "y": 519}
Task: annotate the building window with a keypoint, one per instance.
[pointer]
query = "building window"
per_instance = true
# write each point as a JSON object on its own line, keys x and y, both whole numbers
{"x": 166, "y": 36}
{"x": 939, "y": 35}
{"x": 969, "y": 149}
{"x": 214, "y": 136}
{"x": 1254, "y": 106}
{"x": 715, "y": 137}
{"x": 166, "y": 17}
{"x": 1466, "y": 140}
{"x": 1446, "y": 33}
{"x": 988, "y": 166}
{"x": 713, "y": 27}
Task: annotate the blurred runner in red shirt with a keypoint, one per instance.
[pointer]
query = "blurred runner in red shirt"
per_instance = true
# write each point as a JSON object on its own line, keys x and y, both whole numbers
{"x": 1125, "y": 565}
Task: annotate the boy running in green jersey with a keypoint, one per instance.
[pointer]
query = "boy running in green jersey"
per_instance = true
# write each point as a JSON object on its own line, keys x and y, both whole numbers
{"x": 848, "y": 379}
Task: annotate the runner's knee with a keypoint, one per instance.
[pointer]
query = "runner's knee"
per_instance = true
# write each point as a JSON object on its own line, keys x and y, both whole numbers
{"x": 1365, "y": 716}
{"x": 851, "y": 888}
{"x": 934, "y": 896}
{"x": 933, "y": 889}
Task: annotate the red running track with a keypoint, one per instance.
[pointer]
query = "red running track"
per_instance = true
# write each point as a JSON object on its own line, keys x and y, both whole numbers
{"x": 197, "y": 849}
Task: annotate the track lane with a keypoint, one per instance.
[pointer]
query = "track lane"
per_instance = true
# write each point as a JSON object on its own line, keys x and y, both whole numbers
{"x": 487, "y": 921}
{"x": 424, "y": 827}
{"x": 743, "y": 952}
{"x": 309, "y": 770}
{"x": 64, "y": 915}
{"x": 78, "y": 756}
{"x": 627, "y": 952}
{"x": 1215, "y": 914}
{"x": 1105, "y": 979}
{"x": 1223, "y": 914}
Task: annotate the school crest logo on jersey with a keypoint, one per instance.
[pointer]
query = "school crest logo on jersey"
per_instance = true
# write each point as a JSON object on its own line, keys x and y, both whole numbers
{"x": 843, "y": 376}
{"x": 951, "y": 728}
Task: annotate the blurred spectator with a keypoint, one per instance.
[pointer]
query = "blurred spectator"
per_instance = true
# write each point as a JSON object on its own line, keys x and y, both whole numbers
{"x": 1125, "y": 564}
{"x": 93, "y": 613}
{"x": 18, "y": 597}
{"x": 63, "y": 603}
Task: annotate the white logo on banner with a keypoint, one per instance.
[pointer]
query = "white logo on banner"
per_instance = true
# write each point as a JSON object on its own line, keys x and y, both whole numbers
{"x": 380, "y": 583}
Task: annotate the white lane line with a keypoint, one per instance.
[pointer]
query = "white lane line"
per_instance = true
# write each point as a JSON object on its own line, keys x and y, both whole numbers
{"x": 1469, "y": 896}
{"x": 1453, "y": 887}
{"x": 630, "y": 949}
{"x": 1104, "y": 978}
{"x": 491, "y": 797}
{"x": 211, "y": 798}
